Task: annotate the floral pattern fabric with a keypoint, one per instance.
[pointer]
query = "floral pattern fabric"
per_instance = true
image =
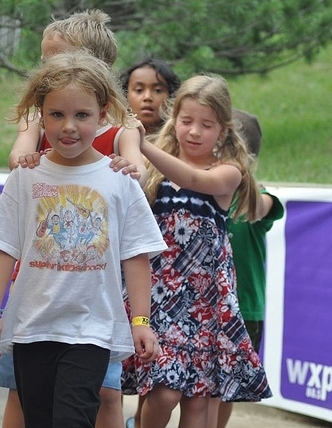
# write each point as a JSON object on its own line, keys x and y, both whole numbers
{"x": 204, "y": 346}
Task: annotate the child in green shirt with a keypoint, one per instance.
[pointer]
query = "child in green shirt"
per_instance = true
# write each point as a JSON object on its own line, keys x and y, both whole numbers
{"x": 249, "y": 253}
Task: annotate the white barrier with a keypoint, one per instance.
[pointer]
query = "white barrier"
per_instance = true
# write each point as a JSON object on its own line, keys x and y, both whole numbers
{"x": 297, "y": 344}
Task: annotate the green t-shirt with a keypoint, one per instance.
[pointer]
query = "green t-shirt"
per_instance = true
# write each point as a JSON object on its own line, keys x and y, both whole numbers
{"x": 249, "y": 252}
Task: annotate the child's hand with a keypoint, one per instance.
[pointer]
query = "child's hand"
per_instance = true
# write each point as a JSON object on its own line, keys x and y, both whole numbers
{"x": 146, "y": 343}
{"x": 119, "y": 162}
{"x": 141, "y": 133}
{"x": 133, "y": 122}
{"x": 28, "y": 161}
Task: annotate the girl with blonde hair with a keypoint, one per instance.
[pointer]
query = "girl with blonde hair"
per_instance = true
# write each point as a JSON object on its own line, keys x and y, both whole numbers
{"x": 199, "y": 166}
{"x": 91, "y": 30}
{"x": 65, "y": 320}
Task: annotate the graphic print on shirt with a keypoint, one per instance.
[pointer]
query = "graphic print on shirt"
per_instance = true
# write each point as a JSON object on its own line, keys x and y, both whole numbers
{"x": 72, "y": 230}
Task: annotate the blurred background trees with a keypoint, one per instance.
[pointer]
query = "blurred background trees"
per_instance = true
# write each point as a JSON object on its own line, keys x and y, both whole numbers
{"x": 220, "y": 36}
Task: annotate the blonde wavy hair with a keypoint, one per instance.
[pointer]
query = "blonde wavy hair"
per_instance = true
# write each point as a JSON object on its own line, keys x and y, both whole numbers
{"x": 87, "y": 30}
{"x": 79, "y": 68}
{"x": 211, "y": 91}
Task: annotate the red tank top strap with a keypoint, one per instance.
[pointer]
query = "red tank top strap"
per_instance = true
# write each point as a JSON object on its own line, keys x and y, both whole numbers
{"x": 44, "y": 144}
{"x": 103, "y": 142}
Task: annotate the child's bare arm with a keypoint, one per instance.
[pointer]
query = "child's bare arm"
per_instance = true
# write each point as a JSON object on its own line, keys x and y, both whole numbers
{"x": 129, "y": 148}
{"x": 26, "y": 142}
{"x": 220, "y": 181}
{"x": 265, "y": 204}
{"x": 137, "y": 276}
{"x": 7, "y": 264}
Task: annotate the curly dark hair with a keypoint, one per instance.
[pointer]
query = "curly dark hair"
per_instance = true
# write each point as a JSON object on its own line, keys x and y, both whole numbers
{"x": 161, "y": 68}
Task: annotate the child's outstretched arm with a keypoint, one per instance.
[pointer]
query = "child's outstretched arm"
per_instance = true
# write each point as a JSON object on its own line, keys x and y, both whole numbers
{"x": 26, "y": 142}
{"x": 137, "y": 276}
{"x": 220, "y": 181}
{"x": 265, "y": 203}
{"x": 129, "y": 148}
{"x": 7, "y": 264}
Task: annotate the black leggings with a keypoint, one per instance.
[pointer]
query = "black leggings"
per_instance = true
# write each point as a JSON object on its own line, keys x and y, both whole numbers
{"x": 255, "y": 331}
{"x": 58, "y": 384}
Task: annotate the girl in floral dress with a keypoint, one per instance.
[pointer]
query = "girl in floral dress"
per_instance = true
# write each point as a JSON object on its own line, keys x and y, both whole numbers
{"x": 199, "y": 166}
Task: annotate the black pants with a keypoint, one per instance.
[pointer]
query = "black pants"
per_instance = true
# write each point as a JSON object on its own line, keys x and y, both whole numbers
{"x": 255, "y": 331}
{"x": 58, "y": 384}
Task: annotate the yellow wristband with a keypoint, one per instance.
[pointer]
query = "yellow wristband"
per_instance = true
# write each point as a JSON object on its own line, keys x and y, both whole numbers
{"x": 140, "y": 321}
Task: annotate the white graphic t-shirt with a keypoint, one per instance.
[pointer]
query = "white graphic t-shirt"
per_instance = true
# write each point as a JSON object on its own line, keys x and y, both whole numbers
{"x": 71, "y": 227}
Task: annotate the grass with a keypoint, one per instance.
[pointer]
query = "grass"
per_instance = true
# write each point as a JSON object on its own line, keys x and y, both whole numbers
{"x": 9, "y": 85}
{"x": 293, "y": 104}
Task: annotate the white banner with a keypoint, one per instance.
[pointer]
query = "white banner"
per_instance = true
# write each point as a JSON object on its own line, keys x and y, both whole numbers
{"x": 297, "y": 345}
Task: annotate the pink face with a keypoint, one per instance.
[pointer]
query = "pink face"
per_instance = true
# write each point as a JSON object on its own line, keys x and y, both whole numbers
{"x": 71, "y": 117}
{"x": 54, "y": 44}
{"x": 147, "y": 91}
{"x": 197, "y": 130}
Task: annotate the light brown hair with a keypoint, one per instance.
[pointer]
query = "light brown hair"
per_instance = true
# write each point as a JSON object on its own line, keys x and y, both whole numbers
{"x": 87, "y": 30}
{"x": 82, "y": 69}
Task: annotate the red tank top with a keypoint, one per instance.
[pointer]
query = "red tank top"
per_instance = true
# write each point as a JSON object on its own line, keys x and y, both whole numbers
{"x": 104, "y": 142}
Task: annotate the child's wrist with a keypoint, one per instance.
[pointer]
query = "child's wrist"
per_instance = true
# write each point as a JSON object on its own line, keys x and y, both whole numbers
{"x": 140, "y": 320}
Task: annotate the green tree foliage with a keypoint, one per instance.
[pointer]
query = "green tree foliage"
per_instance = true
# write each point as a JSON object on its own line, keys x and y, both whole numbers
{"x": 30, "y": 17}
{"x": 221, "y": 36}
{"x": 228, "y": 37}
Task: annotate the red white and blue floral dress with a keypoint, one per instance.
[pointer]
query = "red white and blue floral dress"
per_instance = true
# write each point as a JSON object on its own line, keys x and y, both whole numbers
{"x": 204, "y": 346}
